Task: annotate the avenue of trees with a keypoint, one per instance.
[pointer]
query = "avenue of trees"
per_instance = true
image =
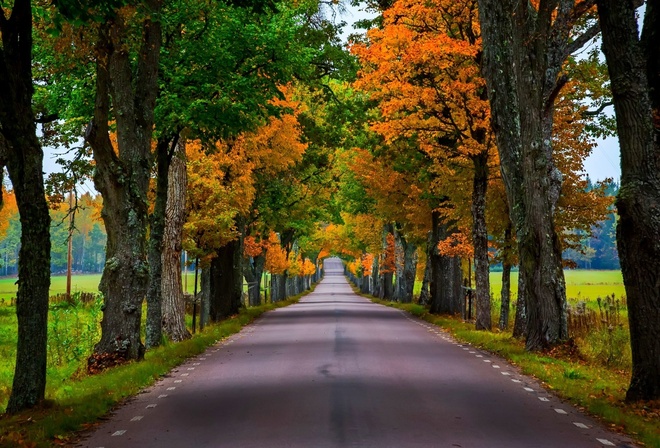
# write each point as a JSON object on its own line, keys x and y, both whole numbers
{"x": 442, "y": 141}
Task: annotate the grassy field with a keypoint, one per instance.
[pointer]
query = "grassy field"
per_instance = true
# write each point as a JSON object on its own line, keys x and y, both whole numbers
{"x": 79, "y": 282}
{"x": 580, "y": 284}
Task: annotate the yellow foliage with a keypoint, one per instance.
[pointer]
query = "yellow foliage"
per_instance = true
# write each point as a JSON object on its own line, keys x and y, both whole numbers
{"x": 8, "y": 209}
{"x": 276, "y": 260}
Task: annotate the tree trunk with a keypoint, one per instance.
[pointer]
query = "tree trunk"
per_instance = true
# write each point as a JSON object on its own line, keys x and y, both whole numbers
{"x": 425, "y": 294}
{"x": 21, "y": 151}
{"x": 253, "y": 269}
{"x": 154, "y": 331}
{"x": 279, "y": 287}
{"x": 204, "y": 297}
{"x": 122, "y": 177}
{"x": 505, "y": 296}
{"x": 446, "y": 275}
{"x": 520, "y": 324}
{"x": 375, "y": 278}
{"x": 174, "y": 305}
{"x": 226, "y": 283}
{"x": 523, "y": 56}
{"x": 506, "y": 279}
{"x": 480, "y": 241}
{"x": 635, "y": 75}
{"x": 387, "y": 274}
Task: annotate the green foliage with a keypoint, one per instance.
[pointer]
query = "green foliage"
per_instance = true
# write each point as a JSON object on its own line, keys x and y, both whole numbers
{"x": 609, "y": 346}
{"x": 73, "y": 329}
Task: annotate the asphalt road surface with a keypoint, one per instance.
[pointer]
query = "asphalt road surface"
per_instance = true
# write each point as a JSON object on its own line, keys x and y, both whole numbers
{"x": 336, "y": 370}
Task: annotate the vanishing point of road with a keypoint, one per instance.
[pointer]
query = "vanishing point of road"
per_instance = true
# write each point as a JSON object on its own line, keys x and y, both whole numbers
{"x": 336, "y": 370}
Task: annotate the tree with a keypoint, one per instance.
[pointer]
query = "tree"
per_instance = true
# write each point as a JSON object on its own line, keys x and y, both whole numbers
{"x": 174, "y": 305}
{"x": 22, "y": 154}
{"x": 423, "y": 69}
{"x": 634, "y": 68}
{"x": 525, "y": 45}
{"x": 126, "y": 89}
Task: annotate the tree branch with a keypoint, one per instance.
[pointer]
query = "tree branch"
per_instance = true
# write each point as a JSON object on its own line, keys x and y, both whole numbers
{"x": 561, "y": 82}
{"x": 43, "y": 119}
{"x": 593, "y": 113}
{"x": 583, "y": 38}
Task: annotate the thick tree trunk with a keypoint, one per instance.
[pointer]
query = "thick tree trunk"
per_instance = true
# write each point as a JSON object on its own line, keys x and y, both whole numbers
{"x": 375, "y": 279}
{"x": 387, "y": 274}
{"x": 523, "y": 55}
{"x": 480, "y": 241}
{"x": 253, "y": 269}
{"x": 520, "y": 324}
{"x": 635, "y": 74}
{"x": 446, "y": 275}
{"x": 21, "y": 152}
{"x": 506, "y": 278}
{"x": 279, "y": 287}
{"x": 204, "y": 297}
{"x": 226, "y": 282}
{"x": 174, "y": 305}
{"x": 154, "y": 331}
{"x": 123, "y": 179}
{"x": 425, "y": 294}
{"x": 505, "y": 296}
{"x": 406, "y": 268}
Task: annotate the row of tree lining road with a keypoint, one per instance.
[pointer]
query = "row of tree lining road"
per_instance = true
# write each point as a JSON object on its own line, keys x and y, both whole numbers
{"x": 247, "y": 103}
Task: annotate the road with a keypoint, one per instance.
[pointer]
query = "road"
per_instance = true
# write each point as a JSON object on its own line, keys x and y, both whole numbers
{"x": 336, "y": 370}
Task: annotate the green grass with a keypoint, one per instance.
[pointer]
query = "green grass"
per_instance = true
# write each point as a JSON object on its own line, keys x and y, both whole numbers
{"x": 581, "y": 284}
{"x": 598, "y": 390}
{"x": 79, "y": 282}
{"x": 76, "y": 400}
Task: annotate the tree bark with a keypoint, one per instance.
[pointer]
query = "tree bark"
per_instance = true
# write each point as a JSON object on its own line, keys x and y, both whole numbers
{"x": 375, "y": 279}
{"x": 635, "y": 76}
{"x": 253, "y": 270}
{"x": 174, "y": 305}
{"x": 204, "y": 297}
{"x": 446, "y": 275}
{"x": 21, "y": 152}
{"x": 425, "y": 294}
{"x": 506, "y": 278}
{"x": 387, "y": 286}
{"x": 154, "y": 331}
{"x": 480, "y": 241}
{"x": 524, "y": 51}
{"x": 226, "y": 282}
{"x": 122, "y": 177}
{"x": 520, "y": 324}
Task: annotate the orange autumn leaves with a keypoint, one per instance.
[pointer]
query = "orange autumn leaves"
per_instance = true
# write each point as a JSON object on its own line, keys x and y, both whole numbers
{"x": 221, "y": 177}
{"x": 422, "y": 69}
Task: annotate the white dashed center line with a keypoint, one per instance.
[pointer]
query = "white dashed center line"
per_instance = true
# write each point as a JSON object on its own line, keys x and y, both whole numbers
{"x": 560, "y": 411}
{"x": 137, "y": 418}
{"x": 121, "y": 432}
